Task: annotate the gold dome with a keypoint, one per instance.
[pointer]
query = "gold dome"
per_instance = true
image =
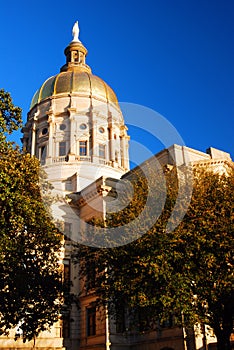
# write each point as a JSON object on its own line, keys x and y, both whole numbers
{"x": 82, "y": 83}
{"x": 75, "y": 77}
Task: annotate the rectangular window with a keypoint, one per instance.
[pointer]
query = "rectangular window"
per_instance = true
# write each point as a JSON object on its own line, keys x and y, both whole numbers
{"x": 102, "y": 151}
{"x": 120, "y": 319}
{"x": 144, "y": 320}
{"x": 66, "y": 326}
{"x": 170, "y": 322}
{"x": 90, "y": 278}
{"x": 67, "y": 228}
{"x": 43, "y": 154}
{"x": 83, "y": 148}
{"x": 62, "y": 149}
{"x": 66, "y": 270}
{"x": 66, "y": 275}
{"x": 91, "y": 321}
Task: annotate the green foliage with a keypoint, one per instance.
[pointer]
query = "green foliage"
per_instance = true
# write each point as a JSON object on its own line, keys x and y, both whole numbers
{"x": 206, "y": 246}
{"x": 138, "y": 271}
{"x": 10, "y": 115}
{"x": 30, "y": 275}
{"x": 184, "y": 272}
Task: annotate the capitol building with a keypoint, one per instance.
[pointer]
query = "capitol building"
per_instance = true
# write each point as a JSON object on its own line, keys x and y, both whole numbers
{"x": 76, "y": 129}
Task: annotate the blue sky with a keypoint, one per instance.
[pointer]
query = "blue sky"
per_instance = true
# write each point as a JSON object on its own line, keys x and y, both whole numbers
{"x": 173, "y": 56}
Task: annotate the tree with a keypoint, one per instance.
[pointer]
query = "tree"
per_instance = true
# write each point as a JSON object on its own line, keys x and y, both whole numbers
{"x": 10, "y": 115}
{"x": 206, "y": 245}
{"x": 30, "y": 273}
{"x": 185, "y": 274}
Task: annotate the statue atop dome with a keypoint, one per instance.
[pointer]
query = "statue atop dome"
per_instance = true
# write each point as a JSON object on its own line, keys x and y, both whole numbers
{"x": 75, "y": 32}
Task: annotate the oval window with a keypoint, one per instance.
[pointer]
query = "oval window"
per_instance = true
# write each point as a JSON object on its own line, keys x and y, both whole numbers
{"x": 83, "y": 126}
{"x": 44, "y": 131}
{"x": 62, "y": 127}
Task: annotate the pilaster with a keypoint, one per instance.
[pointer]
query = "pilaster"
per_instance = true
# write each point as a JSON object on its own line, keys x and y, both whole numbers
{"x": 111, "y": 137}
{"x": 34, "y": 127}
{"x": 51, "y": 123}
{"x": 72, "y": 146}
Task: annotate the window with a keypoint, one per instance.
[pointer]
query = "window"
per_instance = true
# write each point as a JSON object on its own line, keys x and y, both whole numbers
{"x": 170, "y": 322}
{"x": 102, "y": 151}
{"x": 144, "y": 320}
{"x": 76, "y": 56}
{"x": 120, "y": 318}
{"x": 83, "y": 126}
{"x": 62, "y": 148}
{"x": 68, "y": 185}
{"x": 90, "y": 278}
{"x": 91, "y": 321}
{"x": 66, "y": 326}
{"x": 62, "y": 127}
{"x": 83, "y": 148}
{"x": 66, "y": 275}
{"x": 67, "y": 228}
{"x": 44, "y": 131}
{"x": 66, "y": 270}
{"x": 43, "y": 154}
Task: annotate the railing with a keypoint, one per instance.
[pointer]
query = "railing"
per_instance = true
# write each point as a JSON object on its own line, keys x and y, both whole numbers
{"x": 83, "y": 158}
{"x": 59, "y": 159}
{"x": 104, "y": 161}
{"x": 62, "y": 159}
{"x": 66, "y": 159}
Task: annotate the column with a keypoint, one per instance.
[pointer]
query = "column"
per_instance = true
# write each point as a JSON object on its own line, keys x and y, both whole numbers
{"x": 51, "y": 137}
{"x": 124, "y": 147}
{"x": 122, "y": 150}
{"x": 33, "y": 143}
{"x": 72, "y": 141}
{"x": 93, "y": 131}
{"x": 111, "y": 138}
